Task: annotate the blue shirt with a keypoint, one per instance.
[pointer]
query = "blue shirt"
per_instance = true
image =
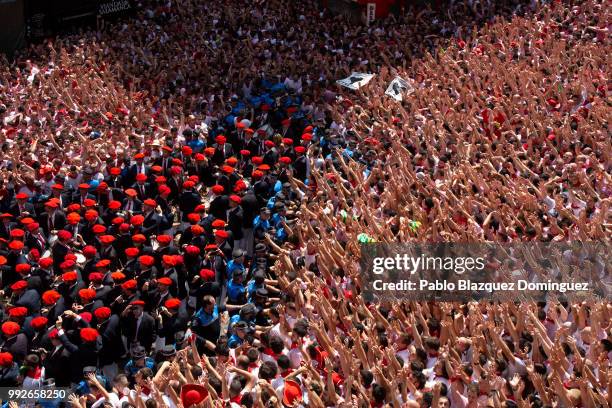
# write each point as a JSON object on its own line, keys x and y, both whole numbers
{"x": 259, "y": 223}
{"x": 205, "y": 319}
{"x": 235, "y": 292}
{"x": 233, "y": 266}
{"x": 234, "y": 341}
{"x": 131, "y": 369}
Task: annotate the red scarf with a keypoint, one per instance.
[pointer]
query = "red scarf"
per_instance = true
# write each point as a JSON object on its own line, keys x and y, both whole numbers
{"x": 34, "y": 373}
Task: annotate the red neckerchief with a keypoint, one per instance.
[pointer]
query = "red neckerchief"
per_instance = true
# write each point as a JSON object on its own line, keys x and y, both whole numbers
{"x": 286, "y": 372}
{"x": 253, "y": 366}
{"x": 297, "y": 344}
{"x": 268, "y": 351}
{"x": 237, "y": 399}
{"x": 35, "y": 373}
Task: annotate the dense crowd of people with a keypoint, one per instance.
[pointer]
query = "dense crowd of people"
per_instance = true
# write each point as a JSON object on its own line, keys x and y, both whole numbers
{"x": 183, "y": 195}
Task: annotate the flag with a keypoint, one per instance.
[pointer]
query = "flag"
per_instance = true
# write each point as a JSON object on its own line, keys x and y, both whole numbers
{"x": 356, "y": 80}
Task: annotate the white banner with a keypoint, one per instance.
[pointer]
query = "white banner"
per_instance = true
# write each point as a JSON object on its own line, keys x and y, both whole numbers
{"x": 356, "y": 80}
{"x": 398, "y": 87}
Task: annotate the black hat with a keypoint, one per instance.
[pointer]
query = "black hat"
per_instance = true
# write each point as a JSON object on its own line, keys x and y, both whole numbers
{"x": 260, "y": 247}
{"x": 168, "y": 351}
{"x": 138, "y": 352}
{"x": 262, "y": 292}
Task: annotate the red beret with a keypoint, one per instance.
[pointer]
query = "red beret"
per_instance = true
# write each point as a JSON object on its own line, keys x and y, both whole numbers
{"x": 73, "y": 218}
{"x": 218, "y": 189}
{"x": 257, "y": 175}
{"x": 177, "y": 162}
{"x": 164, "y": 239}
{"x": 176, "y": 170}
{"x": 118, "y": 221}
{"x": 132, "y": 252}
{"x": 192, "y": 250}
{"x": 240, "y": 186}
{"x": 2, "y": 260}
{"x": 27, "y": 221}
{"x": 69, "y": 276}
{"x": 50, "y": 297}
{"x": 33, "y": 226}
{"x": 269, "y": 143}
{"x": 161, "y": 180}
{"x": 102, "y": 313}
{"x": 52, "y": 204}
{"x": 197, "y": 229}
{"x": 146, "y": 260}
{"x": 164, "y": 190}
{"x": 117, "y": 276}
{"x": 87, "y": 294}
{"x": 89, "y": 251}
{"x": 300, "y": 149}
{"x": 137, "y": 220}
{"x": 221, "y": 234}
{"x": 115, "y": 171}
{"x": 156, "y": 169}
{"x": 107, "y": 239}
{"x": 6, "y": 215}
{"x": 139, "y": 238}
{"x": 188, "y": 184}
{"x": 249, "y": 131}
{"x": 209, "y": 151}
{"x": 10, "y": 328}
{"x": 172, "y": 303}
{"x": 218, "y": 223}
{"x": 287, "y": 141}
{"x": 45, "y": 262}
{"x": 207, "y": 274}
{"x": 84, "y": 186}
{"x": 88, "y": 202}
{"x": 96, "y": 276}
{"x": 200, "y": 157}
{"x": 227, "y": 169}
{"x": 103, "y": 263}
{"x": 22, "y": 268}
{"x": 285, "y": 160}
{"x": 102, "y": 186}
{"x": 193, "y": 217}
{"x": 74, "y": 207}
{"x": 89, "y": 334}
{"x": 307, "y": 137}
{"x": 91, "y": 215}
{"x": 6, "y": 359}
{"x": 114, "y": 205}
{"x": 124, "y": 227}
{"x": 210, "y": 247}
{"x": 139, "y": 156}
{"x": 168, "y": 260}
{"x": 220, "y": 139}
{"x": 130, "y": 192}
{"x": 141, "y": 177}
{"x": 263, "y": 167}
{"x": 21, "y": 196}
{"x": 53, "y": 334}
{"x": 70, "y": 257}
{"x": 129, "y": 284}
{"x": 39, "y": 322}
{"x": 286, "y": 122}
{"x": 257, "y": 159}
{"x": 17, "y": 245}
{"x": 19, "y": 285}
{"x": 34, "y": 254}
{"x": 232, "y": 161}
{"x": 150, "y": 202}
{"x": 245, "y": 152}
{"x": 165, "y": 281}
{"x": 18, "y": 311}
{"x": 137, "y": 303}
{"x": 187, "y": 151}
{"x": 199, "y": 208}
{"x": 235, "y": 198}
{"x": 98, "y": 229}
